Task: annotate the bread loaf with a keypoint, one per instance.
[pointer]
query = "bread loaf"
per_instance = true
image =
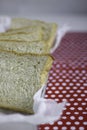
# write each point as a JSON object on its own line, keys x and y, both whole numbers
{"x": 24, "y": 62}
{"x": 21, "y": 76}
{"x": 29, "y": 36}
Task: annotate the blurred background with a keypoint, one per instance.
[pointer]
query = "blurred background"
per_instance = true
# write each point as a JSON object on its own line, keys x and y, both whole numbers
{"x": 72, "y": 12}
{"x": 43, "y": 7}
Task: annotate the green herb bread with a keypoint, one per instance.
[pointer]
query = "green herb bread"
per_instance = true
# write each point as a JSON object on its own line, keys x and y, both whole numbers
{"x": 20, "y": 77}
{"x": 29, "y": 36}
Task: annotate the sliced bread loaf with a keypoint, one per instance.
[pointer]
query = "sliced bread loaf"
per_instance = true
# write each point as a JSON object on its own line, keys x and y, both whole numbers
{"x": 22, "y": 37}
{"x": 20, "y": 77}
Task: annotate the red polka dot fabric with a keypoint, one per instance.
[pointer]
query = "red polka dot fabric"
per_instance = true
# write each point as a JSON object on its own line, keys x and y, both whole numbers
{"x": 68, "y": 81}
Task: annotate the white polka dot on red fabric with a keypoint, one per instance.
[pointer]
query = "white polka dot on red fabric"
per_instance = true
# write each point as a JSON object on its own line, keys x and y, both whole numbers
{"x": 76, "y": 103}
{"x": 72, "y": 108}
{"x": 83, "y": 95}
{"x": 71, "y": 84}
{"x": 57, "y": 77}
{"x": 60, "y": 95}
{"x": 51, "y": 71}
{"x": 82, "y": 88}
{"x": 76, "y": 71}
{"x": 83, "y": 71}
{"x": 70, "y": 71}
{"x": 64, "y": 99}
{"x": 64, "y": 128}
{"x": 81, "y": 128}
{"x": 85, "y": 123}
{"x": 77, "y": 84}
{"x": 85, "y": 91}
{"x": 67, "y": 95}
{"x": 79, "y": 99}
{"x": 68, "y": 104}
{"x": 64, "y": 71}
{"x": 84, "y": 78}
{"x": 53, "y": 80}
{"x": 64, "y": 84}
{"x": 79, "y": 108}
{"x": 71, "y": 99}
{"x": 80, "y": 117}
{"x": 47, "y": 128}
{"x": 76, "y": 113}
{"x": 56, "y": 99}
{"x": 57, "y": 84}
{"x": 57, "y": 71}
{"x": 56, "y": 92}
{"x": 67, "y": 80}
{"x": 50, "y": 84}
{"x": 72, "y": 117}
{"x": 54, "y": 74}
{"x": 67, "y": 88}
{"x": 85, "y": 84}
{"x": 64, "y": 91}
{"x": 77, "y": 77}
{"x": 85, "y": 99}
{"x": 81, "y": 81}
{"x": 78, "y": 91}
{"x": 84, "y": 103}
{"x": 57, "y": 66}
{"x": 75, "y": 87}
{"x": 59, "y": 122}
{"x": 53, "y": 95}
{"x": 75, "y": 95}
{"x": 63, "y": 117}
{"x": 49, "y": 92}
{"x": 68, "y": 113}
{"x": 60, "y": 80}
{"x": 53, "y": 88}
{"x": 55, "y": 128}
{"x": 72, "y": 128}
{"x": 68, "y": 123}
{"x": 60, "y": 88}
{"x": 84, "y": 113}
{"x": 46, "y": 96}
{"x": 64, "y": 65}
{"x": 76, "y": 122}
{"x": 74, "y": 80}
{"x": 50, "y": 77}
{"x": 64, "y": 77}
{"x": 71, "y": 91}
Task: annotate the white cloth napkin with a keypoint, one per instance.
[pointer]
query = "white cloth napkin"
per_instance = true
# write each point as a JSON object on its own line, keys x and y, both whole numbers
{"x": 5, "y": 23}
{"x": 46, "y": 111}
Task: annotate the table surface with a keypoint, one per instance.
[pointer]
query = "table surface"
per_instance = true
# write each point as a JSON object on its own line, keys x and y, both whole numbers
{"x": 68, "y": 81}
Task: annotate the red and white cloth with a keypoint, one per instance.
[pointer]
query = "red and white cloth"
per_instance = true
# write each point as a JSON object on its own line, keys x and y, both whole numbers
{"x": 68, "y": 81}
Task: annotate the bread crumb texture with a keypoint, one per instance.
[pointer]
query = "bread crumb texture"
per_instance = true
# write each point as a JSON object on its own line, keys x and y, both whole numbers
{"x": 20, "y": 77}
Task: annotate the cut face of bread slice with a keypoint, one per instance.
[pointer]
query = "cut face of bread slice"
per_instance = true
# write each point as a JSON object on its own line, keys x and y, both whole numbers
{"x": 36, "y": 47}
{"x": 20, "y": 77}
{"x": 29, "y": 34}
{"x": 25, "y": 37}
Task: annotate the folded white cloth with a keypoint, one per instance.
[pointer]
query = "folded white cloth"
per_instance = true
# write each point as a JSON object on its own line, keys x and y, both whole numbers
{"x": 5, "y": 23}
{"x": 46, "y": 111}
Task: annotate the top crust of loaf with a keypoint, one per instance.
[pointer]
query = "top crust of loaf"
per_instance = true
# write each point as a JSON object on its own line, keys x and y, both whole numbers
{"x": 29, "y": 36}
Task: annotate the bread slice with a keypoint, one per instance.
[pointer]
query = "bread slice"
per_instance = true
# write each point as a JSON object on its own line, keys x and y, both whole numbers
{"x": 26, "y": 37}
{"x": 20, "y": 77}
{"x": 19, "y": 38}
